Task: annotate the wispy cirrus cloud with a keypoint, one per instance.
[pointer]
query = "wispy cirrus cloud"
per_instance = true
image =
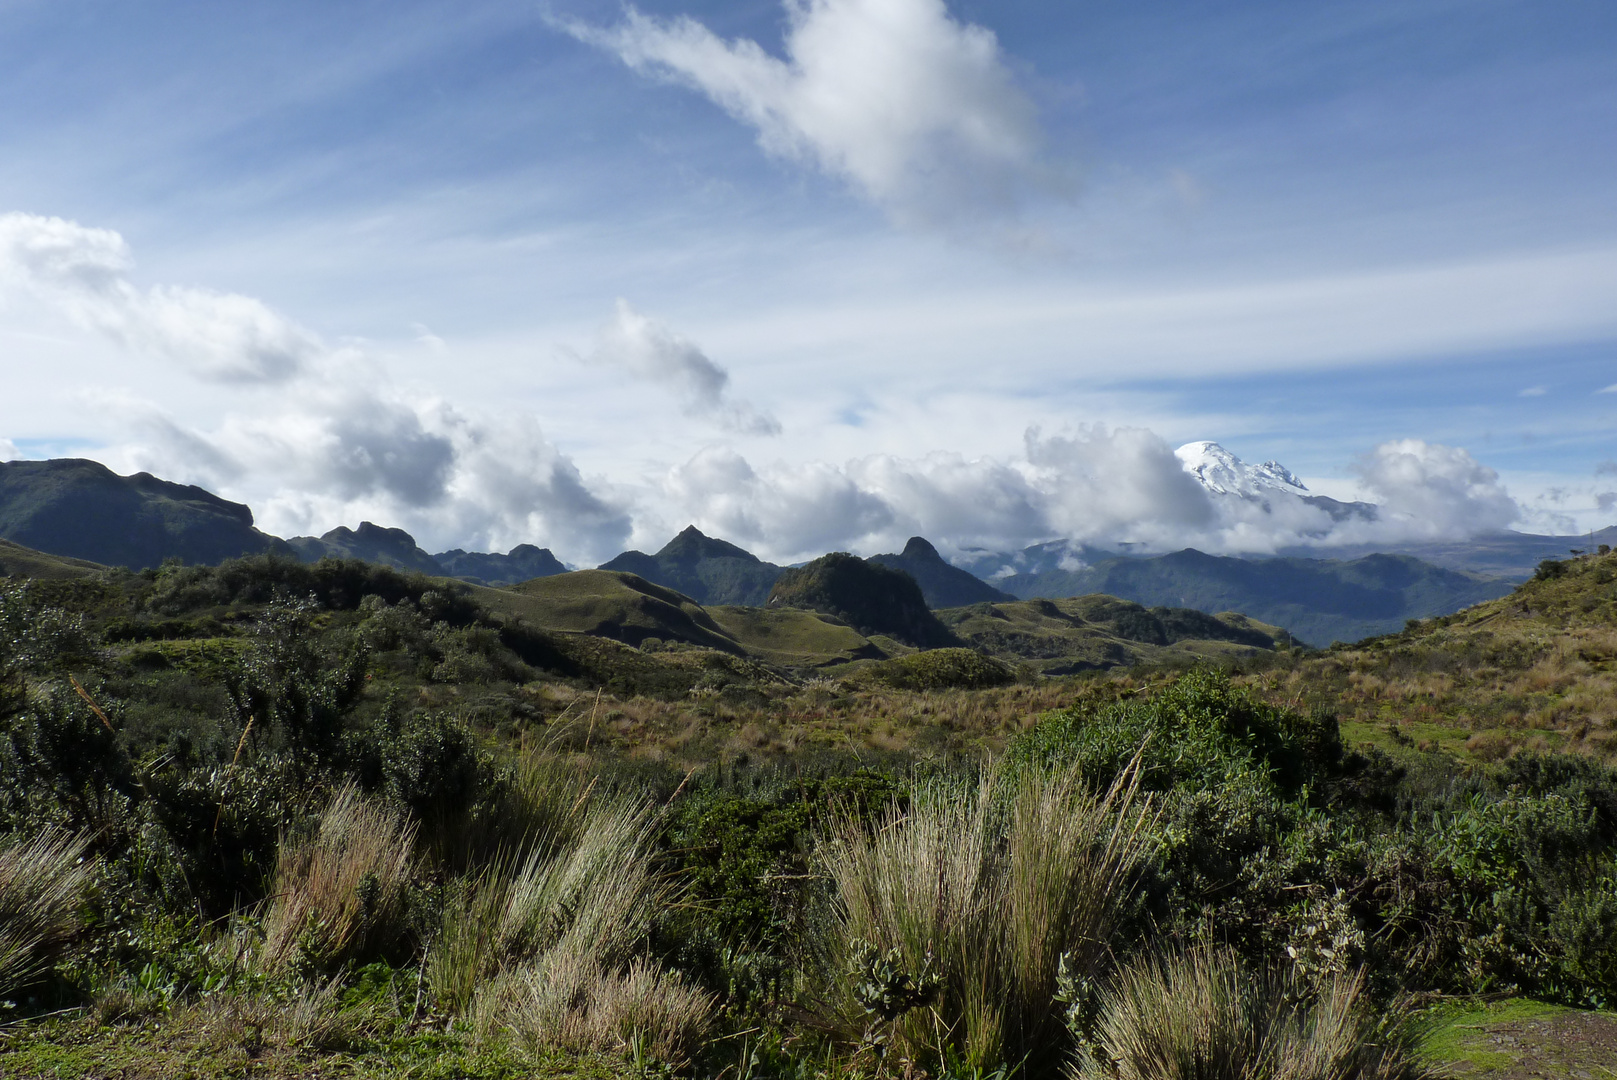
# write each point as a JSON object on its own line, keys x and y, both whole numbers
{"x": 84, "y": 273}
{"x": 650, "y": 350}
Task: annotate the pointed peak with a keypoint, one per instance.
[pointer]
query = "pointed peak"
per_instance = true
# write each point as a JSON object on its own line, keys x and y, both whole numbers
{"x": 692, "y": 544}
{"x": 919, "y": 547}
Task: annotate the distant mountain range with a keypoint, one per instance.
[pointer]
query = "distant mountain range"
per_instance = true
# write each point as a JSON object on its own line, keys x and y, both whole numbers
{"x": 1318, "y": 600}
{"x": 83, "y": 510}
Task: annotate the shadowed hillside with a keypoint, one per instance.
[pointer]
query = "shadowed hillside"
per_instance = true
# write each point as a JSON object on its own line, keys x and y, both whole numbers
{"x": 372, "y": 543}
{"x": 870, "y": 597}
{"x": 84, "y": 510}
{"x": 1084, "y": 633}
{"x": 943, "y": 585}
{"x": 522, "y": 563}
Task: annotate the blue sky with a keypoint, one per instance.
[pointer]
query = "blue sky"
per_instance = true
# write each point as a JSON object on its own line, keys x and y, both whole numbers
{"x": 578, "y": 274}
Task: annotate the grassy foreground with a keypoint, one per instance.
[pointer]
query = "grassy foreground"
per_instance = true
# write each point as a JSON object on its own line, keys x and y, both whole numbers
{"x": 271, "y": 819}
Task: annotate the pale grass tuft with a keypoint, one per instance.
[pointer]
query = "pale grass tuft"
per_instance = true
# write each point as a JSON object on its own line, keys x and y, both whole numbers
{"x": 1202, "y": 1015}
{"x": 594, "y": 892}
{"x": 993, "y": 908}
{"x": 339, "y": 895}
{"x": 565, "y": 998}
{"x": 41, "y": 881}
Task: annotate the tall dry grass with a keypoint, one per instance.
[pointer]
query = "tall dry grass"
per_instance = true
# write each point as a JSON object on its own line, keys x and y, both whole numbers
{"x": 990, "y": 888}
{"x": 41, "y": 881}
{"x": 566, "y": 998}
{"x": 340, "y": 894}
{"x": 1202, "y": 1015}
{"x": 547, "y": 945}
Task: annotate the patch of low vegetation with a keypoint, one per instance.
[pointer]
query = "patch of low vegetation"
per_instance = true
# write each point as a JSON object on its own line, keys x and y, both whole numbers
{"x": 309, "y": 819}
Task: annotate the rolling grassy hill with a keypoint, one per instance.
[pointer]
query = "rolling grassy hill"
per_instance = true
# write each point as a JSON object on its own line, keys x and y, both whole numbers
{"x": 1536, "y": 669}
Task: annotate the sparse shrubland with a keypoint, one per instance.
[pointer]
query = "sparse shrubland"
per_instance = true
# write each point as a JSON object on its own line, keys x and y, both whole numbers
{"x": 268, "y": 813}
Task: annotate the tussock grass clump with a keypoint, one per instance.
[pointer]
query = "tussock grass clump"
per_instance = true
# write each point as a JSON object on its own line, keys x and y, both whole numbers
{"x": 592, "y": 889}
{"x": 340, "y": 894}
{"x": 1202, "y": 1015}
{"x": 41, "y": 881}
{"x": 567, "y": 999}
{"x": 955, "y": 916}
{"x": 547, "y": 946}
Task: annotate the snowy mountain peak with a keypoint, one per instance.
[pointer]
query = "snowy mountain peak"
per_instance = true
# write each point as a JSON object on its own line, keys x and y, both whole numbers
{"x": 1223, "y": 472}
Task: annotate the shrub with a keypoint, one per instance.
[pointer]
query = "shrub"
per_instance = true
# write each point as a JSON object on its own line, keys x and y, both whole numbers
{"x": 1194, "y": 731}
{"x": 937, "y": 669}
{"x": 41, "y": 882}
{"x": 340, "y": 895}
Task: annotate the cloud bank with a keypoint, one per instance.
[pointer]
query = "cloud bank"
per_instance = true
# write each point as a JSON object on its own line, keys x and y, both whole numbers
{"x": 1104, "y": 487}
{"x": 651, "y": 351}
{"x": 84, "y": 273}
{"x": 344, "y": 453}
{"x": 333, "y": 441}
{"x": 914, "y": 109}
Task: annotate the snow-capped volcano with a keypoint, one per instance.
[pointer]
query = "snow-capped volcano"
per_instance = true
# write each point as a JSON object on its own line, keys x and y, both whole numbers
{"x": 1223, "y": 472}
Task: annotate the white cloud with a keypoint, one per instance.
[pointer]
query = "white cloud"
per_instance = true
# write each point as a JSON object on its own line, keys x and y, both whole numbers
{"x": 1533, "y": 391}
{"x": 916, "y": 110}
{"x": 1438, "y": 491}
{"x": 8, "y": 450}
{"x": 1098, "y": 486}
{"x": 649, "y": 350}
{"x": 339, "y": 453}
{"x": 84, "y": 272}
{"x": 1612, "y": 389}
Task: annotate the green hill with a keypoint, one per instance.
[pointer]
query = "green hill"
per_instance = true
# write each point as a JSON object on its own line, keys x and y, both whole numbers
{"x": 1534, "y": 670}
{"x": 1318, "y": 600}
{"x": 943, "y": 585}
{"x": 871, "y": 598}
{"x": 604, "y": 603}
{"x": 19, "y": 562}
{"x": 83, "y": 510}
{"x": 1085, "y": 633}
{"x": 709, "y": 570}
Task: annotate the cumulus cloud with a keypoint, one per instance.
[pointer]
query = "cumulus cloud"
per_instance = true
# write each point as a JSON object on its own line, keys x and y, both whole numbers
{"x": 8, "y": 450}
{"x": 84, "y": 272}
{"x": 1097, "y": 486}
{"x": 344, "y": 453}
{"x": 1438, "y": 491}
{"x": 915, "y": 109}
{"x": 649, "y": 350}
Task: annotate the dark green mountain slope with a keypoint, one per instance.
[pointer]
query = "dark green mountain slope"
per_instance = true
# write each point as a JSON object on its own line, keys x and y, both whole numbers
{"x": 872, "y": 598}
{"x": 708, "y": 570}
{"x": 1318, "y": 600}
{"x": 372, "y": 543}
{"x": 84, "y": 510}
{"x": 943, "y": 585}
{"x": 522, "y": 563}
